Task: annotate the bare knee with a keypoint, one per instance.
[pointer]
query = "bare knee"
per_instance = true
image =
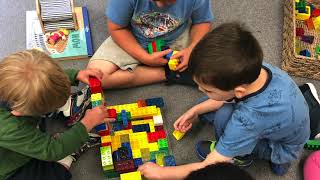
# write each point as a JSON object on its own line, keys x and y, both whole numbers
{"x": 107, "y": 68}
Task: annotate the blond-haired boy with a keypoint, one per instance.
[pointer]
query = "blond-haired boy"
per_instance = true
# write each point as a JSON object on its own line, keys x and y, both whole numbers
{"x": 32, "y": 84}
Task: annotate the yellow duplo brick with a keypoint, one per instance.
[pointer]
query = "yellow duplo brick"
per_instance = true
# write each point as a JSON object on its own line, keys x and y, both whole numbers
{"x": 143, "y": 112}
{"x": 158, "y": 111}
{"x": 96, "y": 97}
{"x": 173, "y": 63}
{"x": 131, "y": 176}
{"x": 151, "y": 126}
{"x": 139, "y": 122}
{"x": 106, "y": 139}
{"x": 178, "y": 135}
{"x": 160, "y": 159}
{"x": 153, "y": 147}
{"x": 127, "y": 107}
{"x": 136, "y": 153}
{"x": 118, "y": 133}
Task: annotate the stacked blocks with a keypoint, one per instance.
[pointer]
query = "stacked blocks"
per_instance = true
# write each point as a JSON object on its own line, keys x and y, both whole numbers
{"x": 308, "y": 12}
{"x": 173, "y": 63}
{"x": 159, "y": 45}
{"x": 136, "y": 139}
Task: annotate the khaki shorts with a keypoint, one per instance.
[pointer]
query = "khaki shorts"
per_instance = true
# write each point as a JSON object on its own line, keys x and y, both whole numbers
{"x": 110, "y": 51}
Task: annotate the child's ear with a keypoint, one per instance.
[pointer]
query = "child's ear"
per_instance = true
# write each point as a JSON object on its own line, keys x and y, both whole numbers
{"x": 240, "y": 92}
{"x": 16, "y": 113}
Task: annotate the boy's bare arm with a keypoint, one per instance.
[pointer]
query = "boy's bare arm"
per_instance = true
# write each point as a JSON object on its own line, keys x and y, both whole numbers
{"x": 125, "y": 39}
{"x": 207, "y": 106}
{"x": 153, "y": 171}
{"x": 198, "y": 31}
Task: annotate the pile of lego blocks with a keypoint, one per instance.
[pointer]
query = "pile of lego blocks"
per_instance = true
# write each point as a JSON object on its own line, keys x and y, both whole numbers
{"x": 136, "y": 137}
{"x": 310, "y": 15}
{"x": 159, "y": 45}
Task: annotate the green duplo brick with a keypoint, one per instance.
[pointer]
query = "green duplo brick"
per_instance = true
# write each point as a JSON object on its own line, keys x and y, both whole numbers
{"x": 163, "y": 143}
{"x": 96, "y": 103}
{"x": 159, "y": 44}
{"x": 119, "y": 117}
{"x": 111, "y": 174}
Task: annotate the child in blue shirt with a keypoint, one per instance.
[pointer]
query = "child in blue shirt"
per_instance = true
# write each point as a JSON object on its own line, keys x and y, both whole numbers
{"x": 256, "y": 109}
{"x": 133, "y": 24}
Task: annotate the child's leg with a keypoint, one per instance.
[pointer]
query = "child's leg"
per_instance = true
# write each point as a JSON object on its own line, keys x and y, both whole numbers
{"x": 120, "y": 69}
{"x": 114, "y": 77}
{"x": 218, "y": 118}
{"x": 311, "y": 170}
{"x": 263, "y": 151}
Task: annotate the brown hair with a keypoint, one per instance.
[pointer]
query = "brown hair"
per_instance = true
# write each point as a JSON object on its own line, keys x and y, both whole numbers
{"x": 227, "y": 57}
{"x": 32, "y": 83}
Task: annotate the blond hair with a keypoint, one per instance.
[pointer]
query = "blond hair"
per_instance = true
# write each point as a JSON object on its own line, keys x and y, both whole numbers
{"x": 32, "y": 83}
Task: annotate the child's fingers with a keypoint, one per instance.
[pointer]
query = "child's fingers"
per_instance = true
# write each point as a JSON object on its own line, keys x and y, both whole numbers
{"x": 109, "y": 119}
{"x": 177, "y": 55}
{"x": 163, "y": 53}
{"x": 96, "y": 73}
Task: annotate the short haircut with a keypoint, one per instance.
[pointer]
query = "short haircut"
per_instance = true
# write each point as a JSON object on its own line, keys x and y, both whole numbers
{"x": 227, "y": 57}
{"x": 32, "y": 83}
{"x": 220, "y": 171}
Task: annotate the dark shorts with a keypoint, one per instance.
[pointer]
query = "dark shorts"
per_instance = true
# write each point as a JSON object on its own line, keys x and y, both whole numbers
{"x": 40, "y": 170}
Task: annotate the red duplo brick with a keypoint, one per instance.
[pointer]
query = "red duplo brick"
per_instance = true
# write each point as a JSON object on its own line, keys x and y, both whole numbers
{"x": 309, "y": 24}
{"x": 95, "y": 85}
{"x": 104, "y": 133}
{"x": 129, "y": 126}
{"x": 142, "y": 103}
{"x": 152, "y": 137}
{"x": 315, "y": 13}
{"x": 158, "y": 128}
{"x": 125, "y": 166}
{"x": 106, "y": 144}
{"x": 299, "y": 32}
{"x": 161, "y": 134}
{"x": 112, "y": 113}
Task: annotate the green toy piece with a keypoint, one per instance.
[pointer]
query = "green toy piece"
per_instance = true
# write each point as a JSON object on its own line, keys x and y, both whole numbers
{"x": 312, "y": 145}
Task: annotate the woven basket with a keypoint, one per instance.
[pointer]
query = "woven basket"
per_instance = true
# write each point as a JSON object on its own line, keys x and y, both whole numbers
{"x": 293, "y": 63}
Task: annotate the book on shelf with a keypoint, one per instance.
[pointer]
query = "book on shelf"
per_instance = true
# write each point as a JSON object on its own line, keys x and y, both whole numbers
{"x": 76, "y": 45}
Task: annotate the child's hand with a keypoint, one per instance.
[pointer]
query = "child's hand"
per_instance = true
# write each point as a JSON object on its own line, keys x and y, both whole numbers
{"x": 184, "y": 56}
{"x": 151, "y": 170}
{"x": 83, "y": 75}
{"x": 184, "y": 123}
{"x": 96, "y": 116}
{"x": 156, "y": 58}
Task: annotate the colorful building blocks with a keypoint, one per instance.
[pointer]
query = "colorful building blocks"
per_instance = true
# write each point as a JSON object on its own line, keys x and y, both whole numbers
{"x": 178, "y": 135}
{"x": 156, "y": 46}
{"x": 141, "y": 141}
{"x": 173, "y": 63}
{"x": 303, "y": 15}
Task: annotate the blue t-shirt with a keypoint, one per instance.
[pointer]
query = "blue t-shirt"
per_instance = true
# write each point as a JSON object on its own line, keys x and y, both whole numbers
{"x": 278, "y": 113}
{"x": 147, "y": 21}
